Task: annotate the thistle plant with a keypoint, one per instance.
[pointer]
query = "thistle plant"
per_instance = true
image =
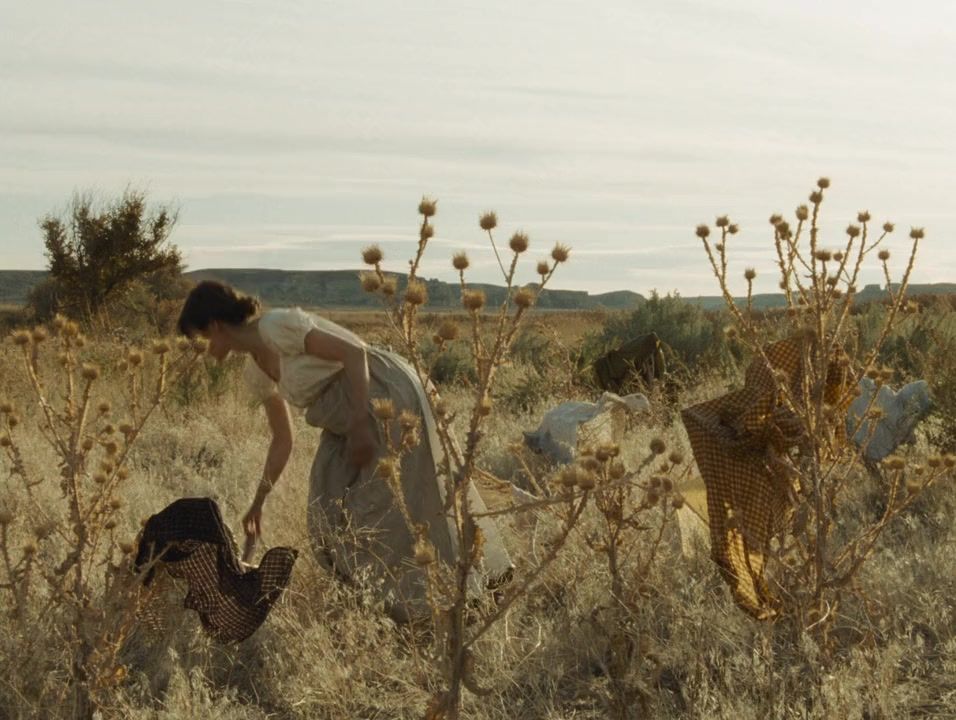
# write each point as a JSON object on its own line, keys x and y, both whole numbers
{"x": 449, "y": 587}
{"x": 814, "y": 560}
{"x": 65, "y": 559}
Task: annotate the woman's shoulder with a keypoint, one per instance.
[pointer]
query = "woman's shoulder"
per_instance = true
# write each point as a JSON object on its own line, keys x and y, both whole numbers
{"x": 285, "y": 329}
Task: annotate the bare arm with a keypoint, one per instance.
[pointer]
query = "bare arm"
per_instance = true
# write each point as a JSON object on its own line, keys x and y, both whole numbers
{"x": 277, "y": 413}
{"x": 280, "y": 448}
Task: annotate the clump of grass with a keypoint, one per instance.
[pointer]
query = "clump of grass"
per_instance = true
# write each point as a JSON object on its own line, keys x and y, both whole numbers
{"x": 65, "y": 566}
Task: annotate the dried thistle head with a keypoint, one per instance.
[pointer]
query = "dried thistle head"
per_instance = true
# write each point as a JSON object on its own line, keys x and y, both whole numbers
{"x": 473, "y": 300}
{"x": 523, "y": 298}
{"x": 917, "y": 233}
{"x": 883, "y": 255}
{"x": 6, "y": 517}
{"x": 488, "y": 221}
{"x": 448, "y": 331}
{"x": 427, "y": 232}
{"x": 733, "y": 228}
{"x": 518, "y": 242}
{"x": 750, "y": 274}
{"x": 372, "y": 255}
{"x": 702, "y": 231}
{"x": 823, "y": 255}
{"x": 863, "y": 216}
{"x": 160, "y": 347}
{"x": 560, "y": 253}
{"x": 134, "y": 358}
{"x": 383, "y": 408}
{"x": 543, "y": 267}
{"x": 803, "y": 212}
{"x": 894, "y": 462}
{"x": 776, "y": 219}
{"x": 722, "y": 221}
{"x": 389, "y": 286}
{"x": 90, "y": 372}
{"x": 416, "y": 293}
{"x": 658, "y": 446}
{"x": 853, "y": 230}
{"x": 816, "y": 197}
{"x": 823, "y": 183}
{"x": 427, "y": 206}
{"x": 20, "y": 338}
{"x": 39, "y": 334}
{"x": 676, "y": 457}
{"x": 888, "y": 227}
{"x": 459, "y": 261}
{"x": 370, "y": 282}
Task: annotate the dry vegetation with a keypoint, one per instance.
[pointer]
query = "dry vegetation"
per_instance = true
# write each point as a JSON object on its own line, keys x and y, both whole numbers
{"x": 618, "y": 621}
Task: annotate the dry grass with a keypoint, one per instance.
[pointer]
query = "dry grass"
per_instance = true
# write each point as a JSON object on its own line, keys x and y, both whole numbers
{"x": 327, "y": 652}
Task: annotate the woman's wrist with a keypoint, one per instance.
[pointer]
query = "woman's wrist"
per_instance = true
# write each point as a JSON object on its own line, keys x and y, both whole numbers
{"x": 264, "y": 488}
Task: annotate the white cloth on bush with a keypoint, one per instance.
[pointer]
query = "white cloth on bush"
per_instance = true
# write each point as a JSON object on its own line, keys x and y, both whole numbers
{"x": 901, "y": 413}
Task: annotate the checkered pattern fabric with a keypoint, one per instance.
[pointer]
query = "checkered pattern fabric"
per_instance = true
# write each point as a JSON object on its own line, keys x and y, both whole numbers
{"x": 190, "y": 541}
{"x": 737, "y": 441}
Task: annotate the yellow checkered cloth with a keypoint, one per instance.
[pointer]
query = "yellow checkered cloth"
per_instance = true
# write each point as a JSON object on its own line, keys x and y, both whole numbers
{"x": 737, "y": 441}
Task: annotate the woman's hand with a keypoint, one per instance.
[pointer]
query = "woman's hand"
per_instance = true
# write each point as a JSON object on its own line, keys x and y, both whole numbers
{"x": 252, "y": 525}
{"x": 361, "y": 443}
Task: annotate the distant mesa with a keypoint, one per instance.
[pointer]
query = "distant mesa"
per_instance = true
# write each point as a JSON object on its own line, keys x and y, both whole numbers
{"x": 340, "y": 289}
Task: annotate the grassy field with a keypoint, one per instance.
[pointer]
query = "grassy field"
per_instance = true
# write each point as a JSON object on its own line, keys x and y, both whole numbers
{"x": 327, "y": 651}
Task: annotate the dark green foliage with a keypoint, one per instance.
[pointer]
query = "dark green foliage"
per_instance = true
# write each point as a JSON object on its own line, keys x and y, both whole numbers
{"x": 96, "y": 253}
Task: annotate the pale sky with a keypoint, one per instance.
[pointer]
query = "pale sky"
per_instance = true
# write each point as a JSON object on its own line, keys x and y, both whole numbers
{"x": 291, "y": 134}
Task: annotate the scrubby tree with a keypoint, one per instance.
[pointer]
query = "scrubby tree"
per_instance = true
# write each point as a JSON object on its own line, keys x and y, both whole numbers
{"x": 97, "y": 252}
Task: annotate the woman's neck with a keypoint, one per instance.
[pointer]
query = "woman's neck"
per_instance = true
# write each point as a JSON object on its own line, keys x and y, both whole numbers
{"x": 246, "y": 338}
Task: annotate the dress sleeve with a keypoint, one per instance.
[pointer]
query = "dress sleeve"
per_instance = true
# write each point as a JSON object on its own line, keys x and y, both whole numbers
{"x": 260, "y": 385}
{"x": 285, "y": 330}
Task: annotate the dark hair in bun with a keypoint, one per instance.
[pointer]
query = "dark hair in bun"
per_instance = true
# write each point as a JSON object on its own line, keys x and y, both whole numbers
{"x": 213, "y": 301}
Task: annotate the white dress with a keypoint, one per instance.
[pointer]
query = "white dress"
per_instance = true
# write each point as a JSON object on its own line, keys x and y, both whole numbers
{"x": 356, "y": 526}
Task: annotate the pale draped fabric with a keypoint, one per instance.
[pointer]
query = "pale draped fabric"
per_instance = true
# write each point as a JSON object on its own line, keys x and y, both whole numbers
{"x": 356, "y": 526}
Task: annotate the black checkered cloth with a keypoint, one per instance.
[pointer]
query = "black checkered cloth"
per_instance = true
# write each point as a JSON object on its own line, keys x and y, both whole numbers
{"x": 190, "y": 541}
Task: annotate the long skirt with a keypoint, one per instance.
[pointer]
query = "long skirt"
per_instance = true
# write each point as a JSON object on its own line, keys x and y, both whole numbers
{"x": 357, "y": 527}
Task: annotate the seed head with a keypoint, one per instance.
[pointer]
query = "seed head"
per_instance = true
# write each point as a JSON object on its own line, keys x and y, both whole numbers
{"x": 459, "y": 261}
{"x": 934, "y": 461}
{"x": 424, "y": 555}
{"x": 407, "y": 420}
{"x": 39, "y": 334}
{"x": 518, "y": 242}
{"x": 722, "y": 221}
{"x": 560, "y": 253}
{"x": 733, "y": 228}
{"x": 44, "y": 530}
{"x": 29, "y": 550}
{"x": 427, "y": 232}
{"x": 6, "y": 517}
{"x": 12, "y": 421}
{"x": 488, "y": 221}
{"x": 111, "y": 448}
{"x": 387, "y": 469}
{"x": 90, "y": 372}
{"x": 888, "y": 227}
{"x": 750, "y": 274}
{"x": 484, "y": 407}
{"x": 776, "y": 219}
{"x": 853, "y": 230}
{"x": 803, "y": 212}
{"x": 416, "y": 294}
{"x": 524, "y": 298}
{"x": 883, "y": 255}
{"x": 652, "y": 497}
{"x": 543, "y": 267}
{"x": 134, "y": 358}
{"x": 617, "y": 470}
{"x": 473, "y": 300}
{"x": 783, "y": 228}
{"x": 677, "y": 502}
{"x": 427, "y": 206}
{"x": 823, "y": 183}
{"x": 823, "y": 255}
{"x": 383, "y": 408}
{"x": 658, "y": 446}
{"x": 894, "y": 462}
{"x": 372, "y": 255}
{"x": 116, "y": 503}
{"x": 586, "y": 480}
{"x": 87, "y": 444}
{"x": 389, "y": 286}
{"x": 949, "y": 460}
{"x": 568, "y": 477}
{"x": 702, "y": 231}
{"x": 816, "y": 197}
{"x": 160, "y": 347}
{"x": 5, "y": 407}
{"x": 109, "y": 525}
{"x": 676, "y": 458}
{"x": 370, "y": 282}
{"x": 719, "y": 247}
{"x": 863, "y": 216}
{"x": 448, "y": 331}
{"x": 838, "y": 256}
{"x": 126, "y": 548}
{"x": 99, "y": 478}
{"x": 917, "y": 233}
{"x": 126, "y": 428}
{"x": 21, "y": 338}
